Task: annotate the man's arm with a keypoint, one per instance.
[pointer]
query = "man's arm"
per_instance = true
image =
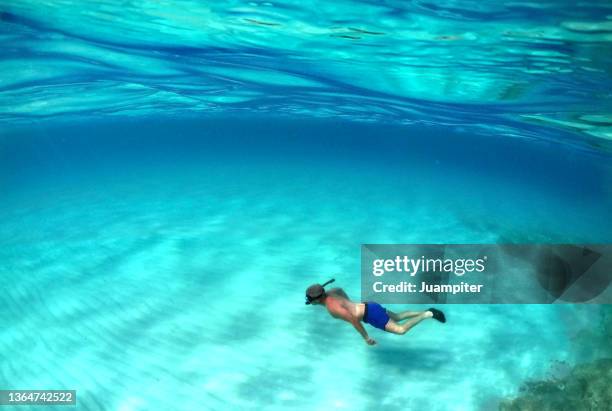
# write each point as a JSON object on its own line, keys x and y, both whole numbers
{"x": 348, "y": 316}
{"x": 359, "y": 327}
{"x": 363, "y": 332}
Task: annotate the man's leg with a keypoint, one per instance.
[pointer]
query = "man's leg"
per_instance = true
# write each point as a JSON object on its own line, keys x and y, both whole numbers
{"x": 397, "y": 317}
{"x": 401, "y": 329}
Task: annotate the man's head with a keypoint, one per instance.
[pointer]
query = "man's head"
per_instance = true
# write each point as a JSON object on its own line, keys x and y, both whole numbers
{"x": 315, "y": 294}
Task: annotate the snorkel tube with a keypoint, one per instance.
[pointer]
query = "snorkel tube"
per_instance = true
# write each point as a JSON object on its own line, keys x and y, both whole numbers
{"x": 316, "y": 291}
{"x": 328, "y": 282}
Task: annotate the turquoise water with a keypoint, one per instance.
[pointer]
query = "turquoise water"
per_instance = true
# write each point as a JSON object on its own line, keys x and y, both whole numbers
{"x": 175, "y": 174}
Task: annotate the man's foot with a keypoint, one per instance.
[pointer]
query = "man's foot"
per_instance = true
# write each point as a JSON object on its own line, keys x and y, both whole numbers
{"x": 438, "y": 315}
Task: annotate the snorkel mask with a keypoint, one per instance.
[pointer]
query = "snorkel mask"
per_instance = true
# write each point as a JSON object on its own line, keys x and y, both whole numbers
{"x": 316, "y": 291}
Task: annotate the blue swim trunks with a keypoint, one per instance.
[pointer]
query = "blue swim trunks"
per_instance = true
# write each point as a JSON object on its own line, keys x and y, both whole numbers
{"x": 375, "y": 315}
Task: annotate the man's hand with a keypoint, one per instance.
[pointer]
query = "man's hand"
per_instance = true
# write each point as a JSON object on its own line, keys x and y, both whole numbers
{"x": 370, "y": 341}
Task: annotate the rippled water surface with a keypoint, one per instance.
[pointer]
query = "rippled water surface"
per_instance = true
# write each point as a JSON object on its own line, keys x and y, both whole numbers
{"x": 174, "y": 174}
{"x": 493, "y": 65}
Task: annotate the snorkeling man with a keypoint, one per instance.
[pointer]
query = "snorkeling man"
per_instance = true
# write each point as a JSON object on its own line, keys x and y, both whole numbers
{"x": 340, "y": 306}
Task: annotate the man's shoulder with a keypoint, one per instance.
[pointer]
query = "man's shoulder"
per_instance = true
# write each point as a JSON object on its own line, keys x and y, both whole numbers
{"x": 338, "y": 292}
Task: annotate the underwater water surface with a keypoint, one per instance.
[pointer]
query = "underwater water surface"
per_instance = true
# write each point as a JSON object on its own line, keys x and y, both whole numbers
{"x": 174, "y": 174}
